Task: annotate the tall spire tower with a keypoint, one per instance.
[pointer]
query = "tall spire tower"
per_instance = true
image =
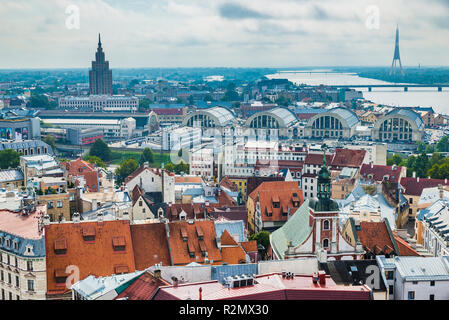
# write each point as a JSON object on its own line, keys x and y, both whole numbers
{"x": 100, "y": 77}
{"x": 396, "y": 56}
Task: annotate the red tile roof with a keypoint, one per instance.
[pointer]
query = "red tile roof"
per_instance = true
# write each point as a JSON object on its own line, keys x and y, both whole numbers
{"x": 79, "y": 167}
{"x": 267, "y": 287}
{"x": 348, "y": 158}
{"x": 249, "y": 246}
{"x": 376, "y": 237}
{"x": 414, "y": 187}
{"x": 143, "y": 288}
{"x": 317, "y": 159}
{"x": 150, "y": 245}
{"x": 379, "y": 172}
{"x": 404, "y": 248}
{"x": 96, "y": 257}
{"x": 192, "y": 210}
{"x": 188, "y": 180}
{"x": 180, "y": 248}
{"x": 285, "y": 191}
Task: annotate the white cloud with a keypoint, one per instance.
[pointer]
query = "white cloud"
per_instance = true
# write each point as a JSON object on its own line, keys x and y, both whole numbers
{"x": 169, "y": 33}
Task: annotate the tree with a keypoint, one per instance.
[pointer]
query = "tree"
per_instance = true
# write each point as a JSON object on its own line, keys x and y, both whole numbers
{"x": 95, "y": 160}
{"x": 9, "y": 159}
{"x": 170, "y": 167}
{"x": 181, "y": 166}
{"x": 50, "y": 140}
{"x": 146, "y": 156}
{"x": 443, "y": 144}
{"x": 125, "y": 169}
{"x": 101, "y": 150}
{"x": 395, "y": 159}
{"x": 180, "y": 153}
{"x": 41, "y": 101}
{"x": 144, "y": 104}
{"x": 439, "y": 171}
{"x": 262, "y": 238}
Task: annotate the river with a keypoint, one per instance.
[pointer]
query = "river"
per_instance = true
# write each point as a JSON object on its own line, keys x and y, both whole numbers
{"x": 424, "y": 97}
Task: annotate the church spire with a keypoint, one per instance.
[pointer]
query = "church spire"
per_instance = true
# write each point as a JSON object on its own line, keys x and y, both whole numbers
{"x": 99, "y": 40}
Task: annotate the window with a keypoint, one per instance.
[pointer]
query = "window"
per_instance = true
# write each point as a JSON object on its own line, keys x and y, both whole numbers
{"x": 16, "y": 262}
{"x": 432, "y": 297}
{"x": 415, "y": 282}
{"x": 9, "y": 278}
{"x": 391, "y": 289}
{"x": 432, "y": 283}
{"x": 30, "y": 285}
{"x": 326, "y": 225}
{"x": 411, "y": 295}
{"x": 59, "y": 204}
{"x": 29, "y": 265}
{"x": 326, "y": 243}
{"x": 17, "y": 281}
{"x": 50, "y": 205}
{"x": 389, "y": 275}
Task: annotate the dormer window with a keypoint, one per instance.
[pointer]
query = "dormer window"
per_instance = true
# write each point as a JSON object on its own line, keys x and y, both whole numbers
{"x": 60, "y": 246}
{"x": 199, "y": 233}
{"x": 184, "y": 234}
{"x": 191, "y": 250}
{"x": 60, "y": 276}
{"x": 89, "y": 233}
{"x": 269, "y": 211}
{"x": 276, "y": 201}
{"x": 16, "y": 245}
{"x": 119, "y": 243}
{"x": 203, "y": 248}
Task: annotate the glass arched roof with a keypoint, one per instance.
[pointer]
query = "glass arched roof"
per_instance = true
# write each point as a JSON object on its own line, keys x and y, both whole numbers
{"x": 409, "y": 114}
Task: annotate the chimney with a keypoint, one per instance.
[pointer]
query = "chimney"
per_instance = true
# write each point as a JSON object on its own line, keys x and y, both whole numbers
{"x": 200, "y": 291}
{"x": 441, "y": 190}
{"x": 417, "y": 179}
{"x": 414, "y": 174}
{"x": 315, "y": 278}
{"x": 100, "y": 217}
{"x": 46, "y": 219}
{"x": 322, "y": 277}
{"x": 146, "y": 164}
{"x": 372, "y": 165}
{"x": 76, "y": 217}
{"x": 175, "y": 282}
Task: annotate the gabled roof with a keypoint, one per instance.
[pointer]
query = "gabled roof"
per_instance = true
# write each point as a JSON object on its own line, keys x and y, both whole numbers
{"x": 377, "y": 237}
{"x": 378, "y": 172}
{"x": 415, "y": 186}
{"x": 192, "y": 210}
{"x": 404, "y": 248}
{"x": 95, "y": 257}
{"x": 143, "y": 288}
{"x": 317, "y": 159}
{"x": 150, "y": 245}
{"x": 180, "y": 249}
{"x": 284, "y": 191}
{"x": 348, "y": 158}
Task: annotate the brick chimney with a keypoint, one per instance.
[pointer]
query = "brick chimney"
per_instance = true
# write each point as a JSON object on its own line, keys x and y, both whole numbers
{"x": 322, "y": 277}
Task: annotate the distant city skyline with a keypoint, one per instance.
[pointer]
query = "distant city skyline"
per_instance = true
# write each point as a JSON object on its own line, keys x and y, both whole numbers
{"x": 275, "y": 34}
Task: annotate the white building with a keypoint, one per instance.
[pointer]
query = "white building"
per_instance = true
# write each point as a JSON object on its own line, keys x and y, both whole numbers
{"x": 415, "y": 278}
{"x": 100, "y": 103}
{"x": 241, "y": 158}
{"x": 112, "y": 128}
{"x": 22, "y": 255}
{"x": 180, "y": 138}
{"x": 153, "y": 180}
{"x": 202, "y": 162}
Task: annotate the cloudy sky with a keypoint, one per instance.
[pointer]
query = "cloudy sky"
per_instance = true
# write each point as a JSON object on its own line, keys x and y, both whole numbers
{"x": 222, "y": 33}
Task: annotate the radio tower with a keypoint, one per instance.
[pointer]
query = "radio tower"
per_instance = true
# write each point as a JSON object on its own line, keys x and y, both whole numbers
{"x": 396, "y": 57}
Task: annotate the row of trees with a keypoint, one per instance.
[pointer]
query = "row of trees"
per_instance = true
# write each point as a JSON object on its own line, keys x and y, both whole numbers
{"x": 436, "y": 167}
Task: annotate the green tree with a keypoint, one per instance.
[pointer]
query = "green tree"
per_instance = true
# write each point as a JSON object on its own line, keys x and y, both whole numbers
{"x": 146, "y": 156}
{"x": 95, "y": 160}
{"x": 101, "y": 150}
{"x": 262, "y": 238}
{"x": 50, "y": 140}
{"x": 395, "y": 159}
{"x": 41, "y": 101}
{"x": 125, "y": 169}
{"x": 180, "y": 153}
{"x": 443, "y": 144}
{"x": 439, "y": 171}
{"x": 144, "y": 104}
{"x": 9, "y": 159}
{"x": 170, "y": 167}
{"x": 181, "y": 166}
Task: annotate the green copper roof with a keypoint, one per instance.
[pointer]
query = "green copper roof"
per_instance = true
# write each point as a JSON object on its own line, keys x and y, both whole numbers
{"x": 296, "y": 230}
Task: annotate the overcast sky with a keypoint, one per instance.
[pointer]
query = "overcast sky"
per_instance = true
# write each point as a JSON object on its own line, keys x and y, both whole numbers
{"x": 219, "y": 33}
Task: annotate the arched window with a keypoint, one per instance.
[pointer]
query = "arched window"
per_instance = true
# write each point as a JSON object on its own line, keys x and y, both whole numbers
{"x": 326, "y": 225}
{"x": 326, "y": 244}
